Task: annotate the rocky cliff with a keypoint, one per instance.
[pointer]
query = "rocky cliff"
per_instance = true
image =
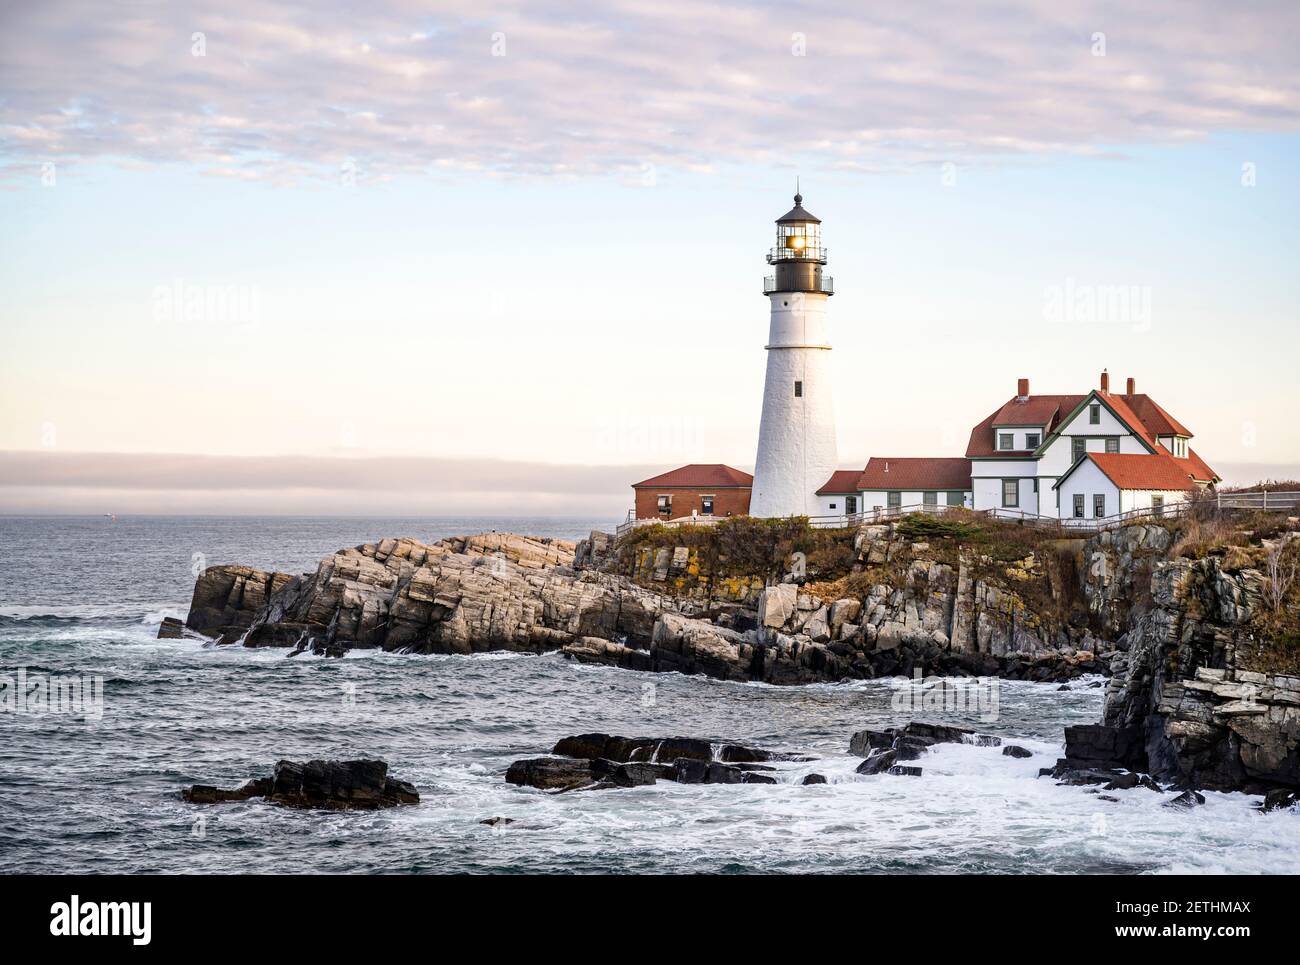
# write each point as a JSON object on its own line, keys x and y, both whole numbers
{"x": 1200, "y": 693}
{"x": 1204, "y": 690}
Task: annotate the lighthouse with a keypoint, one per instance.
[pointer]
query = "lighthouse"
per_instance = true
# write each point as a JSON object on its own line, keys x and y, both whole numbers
{"x": 796, "y": 438}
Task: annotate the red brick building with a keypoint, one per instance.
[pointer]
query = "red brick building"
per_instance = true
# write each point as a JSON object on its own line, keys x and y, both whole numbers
{"x": 705, "y": 489}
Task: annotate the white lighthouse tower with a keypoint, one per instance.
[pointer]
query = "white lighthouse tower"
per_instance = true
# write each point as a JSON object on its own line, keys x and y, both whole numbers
{"x": 796, "y": 438}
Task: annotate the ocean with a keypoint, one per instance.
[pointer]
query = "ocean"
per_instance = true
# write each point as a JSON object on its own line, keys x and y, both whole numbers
{"x": 82, "y": 597}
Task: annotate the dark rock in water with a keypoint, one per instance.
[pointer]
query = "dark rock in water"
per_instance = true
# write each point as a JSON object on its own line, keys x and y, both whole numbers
{"x": 630, "y": 774}
{"x": 361, "y": 785}
{"x": 813, "y": 779}
{"x": 1280, "y": 799}
{"x": 1107, "y": 797}
{"x": 754, "y": 767}
{"x": 497, "y": 822}
{"x": 690, "y": 771}
{"x": 1188, "y": 799}
{"x": 551, "y": 773}
{"x": 171, "y": 629}
{"x": 905, "y": 770}
{"x": 609, "y": 747}
{"x": 1122, "y": 782}
{"x": 865, "y": 741}
{"x": 1063, "y": 687}
{"x": 674, "y": 748}
{"x": 1100, "y": 745}
{"x": 207, "y": 794}
{"x": 1077, "y": 777}
{"x": 1146, "y": 782}
{"x": 881, "y": 761}
{"x": 910, "y": 748}
{"x": 1015, "y": 750}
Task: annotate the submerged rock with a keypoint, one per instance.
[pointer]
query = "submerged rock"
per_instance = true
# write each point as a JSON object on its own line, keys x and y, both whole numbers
{"x": 813, "y": 779}
{"x": 1015, "y": 750}
{"x": 1280, "y": 799}
{"x": 360, "y": 785}
{"x": 1187, "y": 800}
{"x": 905, "y": 770}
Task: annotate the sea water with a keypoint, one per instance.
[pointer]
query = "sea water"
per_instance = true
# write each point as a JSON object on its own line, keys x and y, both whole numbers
{"x": 81, "y": 598}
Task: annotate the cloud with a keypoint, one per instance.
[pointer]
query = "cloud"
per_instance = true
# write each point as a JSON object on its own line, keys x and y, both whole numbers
{"x": 549, "y": 87}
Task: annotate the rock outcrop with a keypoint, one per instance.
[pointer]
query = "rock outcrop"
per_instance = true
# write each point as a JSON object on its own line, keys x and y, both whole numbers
{"x": 361, "y": 785}
{"x": 604, "y": 761}
{"x": 1190, "y": 700}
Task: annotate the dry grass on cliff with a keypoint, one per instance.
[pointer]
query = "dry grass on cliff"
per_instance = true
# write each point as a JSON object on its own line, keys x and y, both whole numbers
{"x": 745, "y": 546}
{"x": 1235, "y": 535}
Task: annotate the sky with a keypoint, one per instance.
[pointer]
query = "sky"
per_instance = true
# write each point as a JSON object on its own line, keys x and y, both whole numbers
{"x": 507, "y": 257}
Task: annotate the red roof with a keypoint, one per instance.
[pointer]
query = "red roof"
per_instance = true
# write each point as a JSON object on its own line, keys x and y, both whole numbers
{"x": 842, "y": 481}
{"x": 712, "y": 475}
{"x": 1156, "y": 419}
{"x": 1033, "y": 410}
{"x": 916, "y": 473}
{"x": 1195, "y": 466}
{"x": 1136, "y": 470}
{"x": 1140, "y": 412}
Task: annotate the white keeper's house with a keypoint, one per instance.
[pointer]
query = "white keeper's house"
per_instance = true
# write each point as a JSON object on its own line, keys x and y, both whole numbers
{"x": 1087, "y": 456}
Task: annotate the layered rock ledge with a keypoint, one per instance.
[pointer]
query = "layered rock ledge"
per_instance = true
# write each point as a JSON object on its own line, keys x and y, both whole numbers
{"x": 361, "y": 785}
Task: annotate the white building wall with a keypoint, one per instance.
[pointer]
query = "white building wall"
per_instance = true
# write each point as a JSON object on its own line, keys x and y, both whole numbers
{"x": 797, "y": 449}
{"x": 986, "y": 483}
{"x": 1087, "y": 481}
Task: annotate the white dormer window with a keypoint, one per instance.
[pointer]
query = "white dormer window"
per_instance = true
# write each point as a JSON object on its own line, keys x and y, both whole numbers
{"x": 1006, "y": 440}
{"x": 1032, "y": 440}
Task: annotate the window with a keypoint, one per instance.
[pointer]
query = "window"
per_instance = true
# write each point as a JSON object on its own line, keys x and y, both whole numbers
{"x": 850, "y": 504}
{"x": 1158, "y": 505}
{"x": 832, "y": 506}
{"x": 894, "y": 500}
{"x": 1112, "y": 444}
{"x": 956, "y": 499}
{"x": 1011, "y": 492}
{"x": 1078, "y": 505}
{"x": 930, "y": 499}
{"x": 1094, "y": 414}
{"x": 1098, "y": 506}
{"x": 665, "y": 504}
{"x": 1035, "y": 484}
{"x": 1006, "y": 440}
{"x": 1033, "y": 439}
{"x": 706, "y": 505}
{"x": 798, "y": 390}
{"x": 1078, "y": 446}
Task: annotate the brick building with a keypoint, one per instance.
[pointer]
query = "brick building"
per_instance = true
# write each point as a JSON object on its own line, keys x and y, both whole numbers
{"x": 704, "y": 489}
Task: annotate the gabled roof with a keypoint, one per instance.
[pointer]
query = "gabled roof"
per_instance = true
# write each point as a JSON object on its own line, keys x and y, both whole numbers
{"x": 1138, "y": 470}
{"x": 1195, "y": 466}
{"x": 712, "y": 475}
{"x": 842, "y": 481}
{"x": 1033, "y": 410}
{"x": 916, "y": 473}
{"x": 1156, "y": 419}
{"x": 1140, "y": 413}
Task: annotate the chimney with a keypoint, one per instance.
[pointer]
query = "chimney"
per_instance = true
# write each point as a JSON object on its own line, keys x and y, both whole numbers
{"x": 1022, "y": 388}
{"x": 1105, "y": 381}
{"x": 1132, "y": 387}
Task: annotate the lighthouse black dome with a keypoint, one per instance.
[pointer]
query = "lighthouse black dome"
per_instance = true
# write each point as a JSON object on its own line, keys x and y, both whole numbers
{"x": 797, "y": 213}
